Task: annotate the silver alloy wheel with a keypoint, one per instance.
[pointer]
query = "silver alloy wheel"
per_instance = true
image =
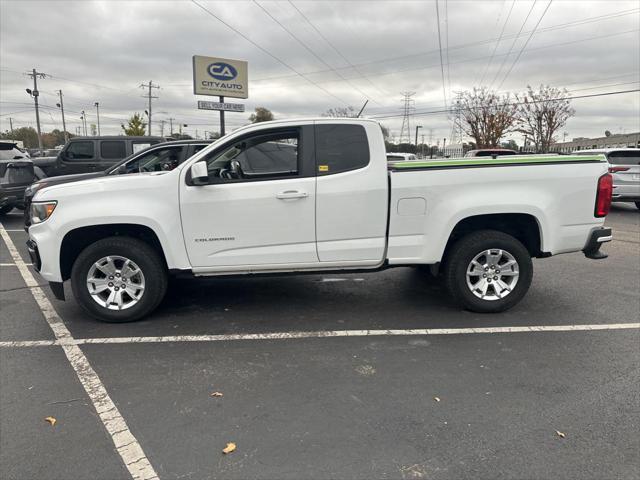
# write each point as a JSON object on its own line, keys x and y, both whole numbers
{"x": 115, "y": 282}
{"x": 492, "y": 274}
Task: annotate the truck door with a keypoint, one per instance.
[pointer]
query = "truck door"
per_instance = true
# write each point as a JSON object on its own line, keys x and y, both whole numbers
{"x": 259, "y": 206}
{"x": 351, "y": 193}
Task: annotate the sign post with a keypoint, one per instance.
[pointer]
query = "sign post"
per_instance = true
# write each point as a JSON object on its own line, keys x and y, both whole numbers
{"x": 221, "y": 77}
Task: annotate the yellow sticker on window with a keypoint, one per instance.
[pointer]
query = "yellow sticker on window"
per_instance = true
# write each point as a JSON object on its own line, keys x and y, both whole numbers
{"x": 323, "y": 168}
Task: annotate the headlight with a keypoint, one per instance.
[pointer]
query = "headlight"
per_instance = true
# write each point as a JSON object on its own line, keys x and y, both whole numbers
{"x": 40, "y": 211}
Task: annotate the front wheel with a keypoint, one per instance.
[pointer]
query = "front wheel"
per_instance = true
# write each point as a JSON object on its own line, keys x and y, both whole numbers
{"x": 119, "y": 279}
{"x": 488, "y": 271}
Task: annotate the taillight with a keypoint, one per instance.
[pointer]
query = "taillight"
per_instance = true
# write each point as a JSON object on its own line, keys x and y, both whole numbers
{"x": 618, "y": 169}
{"x": 603, "y": 195}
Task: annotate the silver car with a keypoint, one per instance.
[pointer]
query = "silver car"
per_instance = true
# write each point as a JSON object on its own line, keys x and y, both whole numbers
{"x": 624, "y": 165}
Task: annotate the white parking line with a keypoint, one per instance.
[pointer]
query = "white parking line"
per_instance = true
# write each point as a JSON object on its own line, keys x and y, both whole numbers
{"x": 324, "y": 334}
{"x": 126, "y": 444}
{"x": 13, "y": 264}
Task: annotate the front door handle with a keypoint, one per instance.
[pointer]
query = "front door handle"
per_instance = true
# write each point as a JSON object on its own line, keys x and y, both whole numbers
{"x": 288, "y": 194}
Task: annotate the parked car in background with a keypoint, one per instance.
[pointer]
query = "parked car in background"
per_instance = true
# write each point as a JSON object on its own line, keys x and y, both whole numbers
{"x": 400, "y": 157}
{"x": 624, "y": 165}
{"x": 93, "y": 154}
{"x": 17, "y": 172}
{"x": 156, "y": 158}
{"x": 490, "y": 152}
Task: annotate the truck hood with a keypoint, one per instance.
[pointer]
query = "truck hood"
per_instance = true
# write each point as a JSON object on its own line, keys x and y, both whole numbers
{"x": 86, "y": 184}
{"x": 50, "y": 181}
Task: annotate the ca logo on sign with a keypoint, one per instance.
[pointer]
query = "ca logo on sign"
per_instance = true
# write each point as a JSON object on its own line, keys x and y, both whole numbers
{"x": 222, "y": 71}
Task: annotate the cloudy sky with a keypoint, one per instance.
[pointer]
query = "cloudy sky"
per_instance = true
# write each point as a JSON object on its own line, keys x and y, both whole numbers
{"x": 309, "y": 56}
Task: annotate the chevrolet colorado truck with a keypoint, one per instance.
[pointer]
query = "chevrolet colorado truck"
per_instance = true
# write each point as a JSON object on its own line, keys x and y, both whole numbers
{"x": 316, "y": 195}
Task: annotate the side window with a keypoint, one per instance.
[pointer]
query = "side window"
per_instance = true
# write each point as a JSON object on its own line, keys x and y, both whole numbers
{"x": 80, "y": 151}
{"x": 340, "y": 148}
{"x": 259, "y": 157}
{"x": 113, "y": 149}
{"x": 197, "y": 148}
{"x": 157, "y": 160}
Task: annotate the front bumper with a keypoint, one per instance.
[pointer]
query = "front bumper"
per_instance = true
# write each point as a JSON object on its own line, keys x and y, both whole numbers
{"x": 32, "y": 247}
{"x": 596, "y": 239}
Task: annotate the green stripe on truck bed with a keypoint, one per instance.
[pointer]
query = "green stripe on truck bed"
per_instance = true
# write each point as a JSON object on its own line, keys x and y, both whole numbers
{"x": 488, "y": 161}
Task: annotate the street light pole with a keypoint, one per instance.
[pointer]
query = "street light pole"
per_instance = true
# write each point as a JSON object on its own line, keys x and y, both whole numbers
{"x": 64, "y": 125}
{"x": 417, "y": 127}
{"x": 83, "y": 117}
{"x": 98, "y": 115}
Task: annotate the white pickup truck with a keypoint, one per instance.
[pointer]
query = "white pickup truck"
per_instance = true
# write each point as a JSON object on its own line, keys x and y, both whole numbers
{"x": 316, "y": 195}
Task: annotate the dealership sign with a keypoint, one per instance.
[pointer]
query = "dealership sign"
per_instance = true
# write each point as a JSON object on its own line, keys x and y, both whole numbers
{"x": 228, "y": 107}
{"x": 220, "y": 76}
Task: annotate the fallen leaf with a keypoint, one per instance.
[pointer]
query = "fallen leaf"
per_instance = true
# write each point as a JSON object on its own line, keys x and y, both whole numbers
{"x": 216, "y": 394}
{"x": 560, "y": 434}
{"x": 437, "y": 399}
{"x": 229, "y": 448}
{"x": 51, "y": 420}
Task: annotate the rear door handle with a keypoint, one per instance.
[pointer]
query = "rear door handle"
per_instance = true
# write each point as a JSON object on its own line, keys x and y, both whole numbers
{"x": 288, "y": 194}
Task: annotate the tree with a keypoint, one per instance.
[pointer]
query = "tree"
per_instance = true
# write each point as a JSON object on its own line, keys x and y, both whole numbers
{"x": 261, "y": 114}
{"x": 341, "y": 112}
{"x": 486, "y": 116}
{"x": 541, "y": 113}
{"x": 136, "y": 126}
{"x": 94, "y": 129}
{"x": 607, "y": 133}
{"x": 27, "y": 135}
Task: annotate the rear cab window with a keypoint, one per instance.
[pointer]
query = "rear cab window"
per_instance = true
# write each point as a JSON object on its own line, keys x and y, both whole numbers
{"x": 341, "y": 148}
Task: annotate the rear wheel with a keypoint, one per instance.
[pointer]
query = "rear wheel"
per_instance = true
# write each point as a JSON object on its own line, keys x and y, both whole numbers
{"x": 119, "y": 279}
{"x": 488, "y": 271}
{"x": 6, "y": 209}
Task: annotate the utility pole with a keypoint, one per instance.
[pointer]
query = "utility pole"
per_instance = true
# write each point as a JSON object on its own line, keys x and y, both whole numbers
{"x": 11, "y": 124}
{"x": 98, "y": 114}
{"x": 162, "y": 122}
{"x": 417, "y": 127}
{"x": 64, "y": 125}
{"x": 171, "y": 126}
{"x": 35, "y": 93}
{"x": 149, "y": 96}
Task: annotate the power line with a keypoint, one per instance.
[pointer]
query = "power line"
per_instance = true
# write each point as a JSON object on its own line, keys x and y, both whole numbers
{"x": 333, "y": 47}
{"x": 264, "y": 50}
{"x": 504, "y": 60}
{"x": 444, "y": 91}
{"x": 447, "y": 110}
{"x": 525, "y": 44}
{"x": 308, "y": 49}
{"x": 468, "y": 45}
{"x": 495, "y": 47}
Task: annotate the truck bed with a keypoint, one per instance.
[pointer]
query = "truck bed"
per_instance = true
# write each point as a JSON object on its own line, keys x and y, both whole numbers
{"x": 429, "y": 198}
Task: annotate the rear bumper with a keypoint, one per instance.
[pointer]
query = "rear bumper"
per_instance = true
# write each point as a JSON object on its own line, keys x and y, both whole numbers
{"x": 13, "y": 196}
{"x": 596, "y": 239}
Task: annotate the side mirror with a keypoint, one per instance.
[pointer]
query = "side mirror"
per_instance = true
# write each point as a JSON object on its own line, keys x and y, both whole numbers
{"x": 199, "y": 173}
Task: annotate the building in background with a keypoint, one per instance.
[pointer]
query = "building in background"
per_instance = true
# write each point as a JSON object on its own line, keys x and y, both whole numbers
{"x": 620, "y": 140}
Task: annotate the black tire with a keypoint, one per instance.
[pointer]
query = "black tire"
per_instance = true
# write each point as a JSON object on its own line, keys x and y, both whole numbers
{"x": 459, "y": 257}
{"x": 6, "y": 209}
{"x": 147, "y": 259}
{"x": 637, "y": 205}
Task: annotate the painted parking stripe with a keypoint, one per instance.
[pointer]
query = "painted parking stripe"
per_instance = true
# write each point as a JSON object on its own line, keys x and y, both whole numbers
{"x": 326, "y": 334}
{"x": 13, "y": 264}
{"x": 126, "y": 444}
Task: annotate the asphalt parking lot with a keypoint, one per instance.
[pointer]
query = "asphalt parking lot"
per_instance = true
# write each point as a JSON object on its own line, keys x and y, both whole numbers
{"x": 363, "y": 392}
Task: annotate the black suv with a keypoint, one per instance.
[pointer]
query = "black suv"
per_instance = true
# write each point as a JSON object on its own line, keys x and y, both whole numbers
{"x": 159, "y": 157}
{"x": 16, "y": 173}
{"x": 93, "y": 154}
